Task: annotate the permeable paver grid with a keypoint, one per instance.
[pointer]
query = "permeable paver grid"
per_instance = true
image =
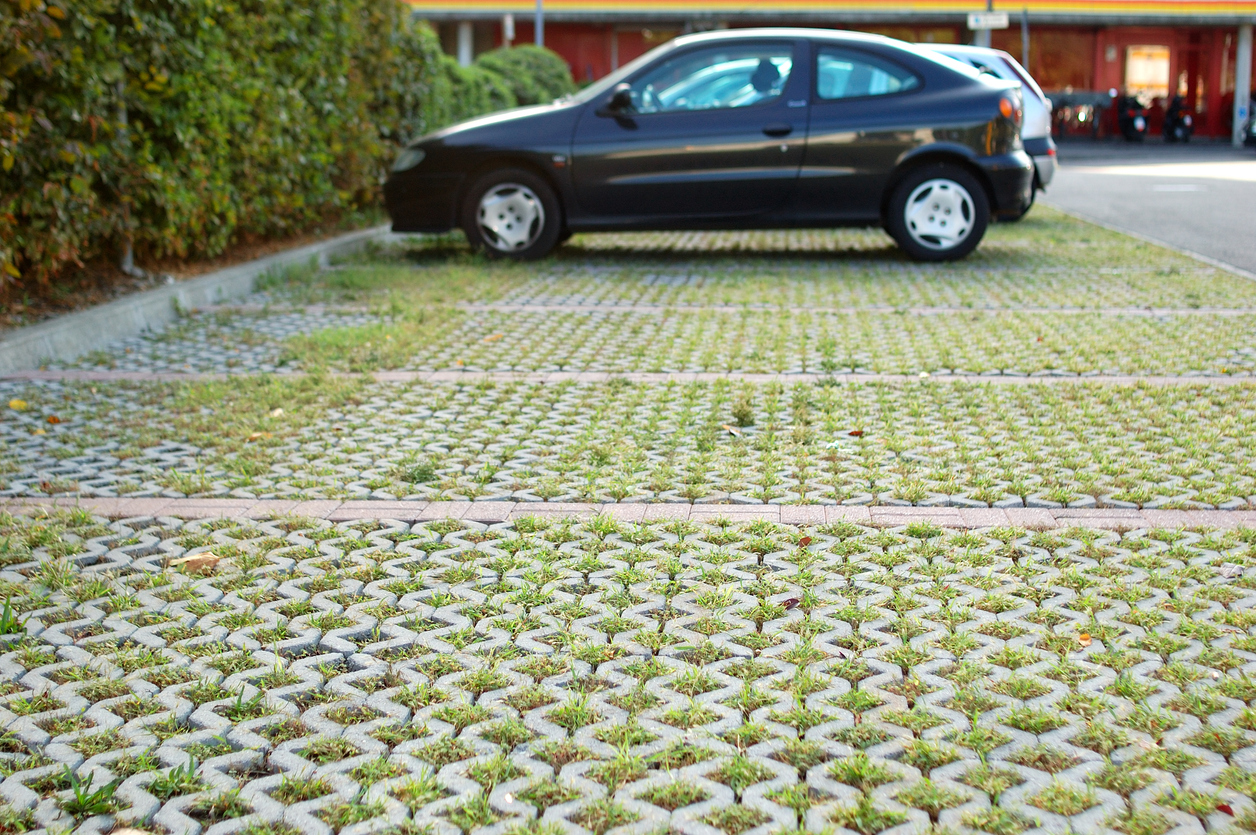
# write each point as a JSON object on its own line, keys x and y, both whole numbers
{"x": 698, "y": 533}
{"x": 548, "y": 675}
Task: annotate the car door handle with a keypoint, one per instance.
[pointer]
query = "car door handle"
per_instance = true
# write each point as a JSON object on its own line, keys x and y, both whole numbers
{"x": 779, "y": 130}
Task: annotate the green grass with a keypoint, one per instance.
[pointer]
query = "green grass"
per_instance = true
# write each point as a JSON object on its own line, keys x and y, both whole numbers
{"x": 1175, "y": 445}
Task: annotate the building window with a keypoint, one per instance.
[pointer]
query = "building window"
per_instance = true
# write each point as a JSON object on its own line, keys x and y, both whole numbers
{"x": 1147, "y": 72}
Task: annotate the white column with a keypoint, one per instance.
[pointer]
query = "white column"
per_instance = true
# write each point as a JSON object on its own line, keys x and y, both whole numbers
{"x": 982, "y": 38}
{"x": 1025, "y": 41}
{"x": 1242, "y": 82}
{"x": 466, "y": 43}
{"x": 540, "y": 23}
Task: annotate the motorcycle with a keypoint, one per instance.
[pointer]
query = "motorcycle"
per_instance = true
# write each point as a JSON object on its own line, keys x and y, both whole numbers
{"x": 1130, "y": 119}
{"x": 1178, "y": 122}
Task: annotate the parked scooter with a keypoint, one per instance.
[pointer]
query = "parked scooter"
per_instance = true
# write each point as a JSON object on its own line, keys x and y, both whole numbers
{"x": 1178, "y": 123}
{"x": 1130, "y": 118}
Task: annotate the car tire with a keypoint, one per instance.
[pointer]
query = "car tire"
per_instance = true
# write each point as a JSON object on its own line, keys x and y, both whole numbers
{"x": 512, "y": 213}
{"x": 938, "y": 213}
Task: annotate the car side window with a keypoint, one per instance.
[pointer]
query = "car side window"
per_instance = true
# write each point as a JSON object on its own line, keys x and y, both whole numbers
{"x": 734, "y": 75}
{"x": 847, "y": 74}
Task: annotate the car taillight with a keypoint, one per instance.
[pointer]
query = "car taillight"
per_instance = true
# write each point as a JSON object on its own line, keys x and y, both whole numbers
{"x": 1010, "y": 110}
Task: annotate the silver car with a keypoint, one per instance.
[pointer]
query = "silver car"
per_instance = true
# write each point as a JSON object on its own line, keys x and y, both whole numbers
{"x": 1036, "y": 127}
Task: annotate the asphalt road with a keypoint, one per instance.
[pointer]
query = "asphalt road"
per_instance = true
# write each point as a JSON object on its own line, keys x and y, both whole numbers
{"x": 1196, "y": 197}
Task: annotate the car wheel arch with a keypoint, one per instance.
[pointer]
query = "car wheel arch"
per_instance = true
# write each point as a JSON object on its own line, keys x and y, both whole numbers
{"x": 912, "y": 163}
{"x": 497, "y": 163}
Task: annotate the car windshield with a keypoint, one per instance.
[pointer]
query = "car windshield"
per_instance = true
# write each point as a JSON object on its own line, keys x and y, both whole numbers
{"x": 1019, "y": 74}
{"x": 604, "y": 84}
{"x": 951, "y": 63}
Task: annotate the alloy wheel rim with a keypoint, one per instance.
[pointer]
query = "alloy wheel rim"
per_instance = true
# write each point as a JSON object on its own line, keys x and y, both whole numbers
{"x": 939, "y": 214}
{"x": 510, "y": 217}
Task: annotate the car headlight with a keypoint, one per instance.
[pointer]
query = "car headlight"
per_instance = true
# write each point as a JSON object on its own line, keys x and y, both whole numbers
{"x": 409, "y": 158}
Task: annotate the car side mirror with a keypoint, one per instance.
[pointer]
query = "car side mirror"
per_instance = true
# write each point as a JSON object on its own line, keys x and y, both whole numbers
{"x": 621, "y": 99}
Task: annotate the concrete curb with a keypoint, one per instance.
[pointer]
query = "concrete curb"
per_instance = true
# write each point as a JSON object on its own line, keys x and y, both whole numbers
{"x": 494, "y": 512}
{"x": 74, "y": 334}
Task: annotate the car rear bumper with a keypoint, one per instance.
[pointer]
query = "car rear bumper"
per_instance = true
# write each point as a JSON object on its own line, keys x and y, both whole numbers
{"x": 422, "y": 202}
{"x": 1042, "y": 151}
{"x": 1011, "y": 178}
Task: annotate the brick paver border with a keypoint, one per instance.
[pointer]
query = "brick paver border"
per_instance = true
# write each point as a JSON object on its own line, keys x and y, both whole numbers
{"x": 491, "y": 512}
{"x": 470, "y": 377}
{"x": 633, "y": 307}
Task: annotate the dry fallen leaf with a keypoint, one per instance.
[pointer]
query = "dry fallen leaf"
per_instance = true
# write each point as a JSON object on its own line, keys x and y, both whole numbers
{"x": 197, "y": 562}
{"x": 54, "y": 420}
{"x": 1230, "y": 570}
{"x": 494, "y": 337}
{"x": 791, "y": 603}
{"x": 278, "y": 412}
{"x": 17, "y": 404}
{"x": 732, "y": 430}
{"x": 38, "y": 432}
{"x": 855, "y": 433}
{"x": 804, "y": 542}
{"x": 1227, "y": 808}
{"x": 257, "y": 436}
{"x": 1084, "y": 639}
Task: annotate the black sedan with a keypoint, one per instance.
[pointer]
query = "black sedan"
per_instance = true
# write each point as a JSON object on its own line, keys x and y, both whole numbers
{"x": 744, "y": 129}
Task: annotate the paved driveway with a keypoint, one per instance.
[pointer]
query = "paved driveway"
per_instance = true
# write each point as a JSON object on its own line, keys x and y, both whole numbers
{"x": 1197, "y": 197}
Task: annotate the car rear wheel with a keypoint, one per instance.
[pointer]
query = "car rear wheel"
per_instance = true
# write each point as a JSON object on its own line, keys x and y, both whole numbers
{"x": 512, "y": 213}
{"x": 938, "y": 213}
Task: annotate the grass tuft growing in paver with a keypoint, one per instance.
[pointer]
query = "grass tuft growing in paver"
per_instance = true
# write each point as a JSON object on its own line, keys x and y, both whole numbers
{"x": 929, "y": 731}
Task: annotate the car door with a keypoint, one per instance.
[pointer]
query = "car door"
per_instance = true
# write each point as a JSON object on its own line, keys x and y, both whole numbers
{"x": 714, "y": 131}
{"x": 861, "y": 124}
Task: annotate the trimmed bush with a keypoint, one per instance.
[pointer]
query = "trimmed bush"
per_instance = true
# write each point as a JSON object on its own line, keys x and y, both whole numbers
{"x": 184, "y": 125}
{"x": 534, "y": 74}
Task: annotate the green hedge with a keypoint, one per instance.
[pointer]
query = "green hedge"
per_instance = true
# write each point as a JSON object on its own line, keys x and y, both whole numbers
{"x": 534, "y": 74}
{"x": 187, "y": 124}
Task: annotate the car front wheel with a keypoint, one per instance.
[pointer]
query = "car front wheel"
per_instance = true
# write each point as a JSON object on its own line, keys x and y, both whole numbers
{"x": 512, "y": 213}
{"x": 938, "y": 213}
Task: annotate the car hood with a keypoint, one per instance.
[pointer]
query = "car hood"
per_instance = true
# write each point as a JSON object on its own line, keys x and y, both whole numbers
{"x": 517, "y": 122}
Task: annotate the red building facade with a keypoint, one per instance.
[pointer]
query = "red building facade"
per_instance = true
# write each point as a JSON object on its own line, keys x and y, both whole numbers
{"x": 1189, "y": 47}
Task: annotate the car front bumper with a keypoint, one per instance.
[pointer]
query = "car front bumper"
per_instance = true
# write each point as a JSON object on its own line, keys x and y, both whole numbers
{"x": 422, "y": 202}
{"x": 1042, "y": 151}
{"x": 1011, "y": 178}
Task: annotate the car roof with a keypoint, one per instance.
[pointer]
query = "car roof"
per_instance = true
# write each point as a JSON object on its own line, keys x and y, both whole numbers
{"x": 963, "y": 48}
{"x": 839, "y": 35}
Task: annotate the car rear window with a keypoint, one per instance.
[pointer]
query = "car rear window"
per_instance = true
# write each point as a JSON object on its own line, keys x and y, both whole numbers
{"x": 846, "y": 74}
{"x": 1018, "y": 72}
